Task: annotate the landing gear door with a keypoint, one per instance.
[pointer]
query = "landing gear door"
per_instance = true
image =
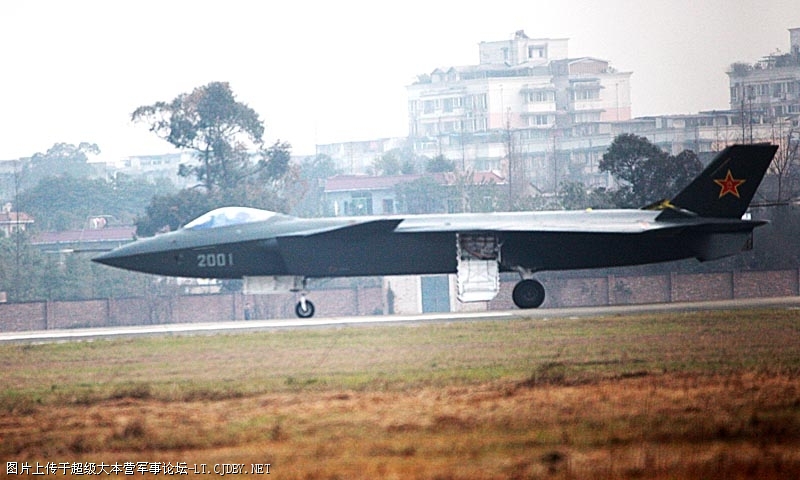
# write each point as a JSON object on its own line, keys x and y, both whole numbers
{"x": 478, "y": 272}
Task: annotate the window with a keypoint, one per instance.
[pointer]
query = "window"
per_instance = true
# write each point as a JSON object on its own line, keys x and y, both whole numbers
{"x": 538, "y": 120}
{"x": 361, "y": 204}
{"x": 450, "y": 104}
{"x": 477, "y": 101}
{"x": 536, "y": 51}
{"x": 585, "y": 117}
{"x": 449, "y": 127}
{"x": 430, "y": 106}
{"x": 540, "y": 97}
{"x": 478, "y": 125}
{"x": 586, "y": 94}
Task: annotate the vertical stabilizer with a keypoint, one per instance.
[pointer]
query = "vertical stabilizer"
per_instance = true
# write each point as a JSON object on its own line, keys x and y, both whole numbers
{"x": 727, "y": 185}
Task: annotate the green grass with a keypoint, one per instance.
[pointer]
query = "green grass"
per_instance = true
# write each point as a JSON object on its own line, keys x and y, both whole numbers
{"x": 379, "y": 358}
{"x": 699, "y": 395}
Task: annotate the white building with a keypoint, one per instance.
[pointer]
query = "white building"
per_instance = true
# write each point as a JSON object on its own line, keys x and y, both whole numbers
{"x": 519, "y": 83}
{"x": 769, "y": 88}
{"x": 358, "y": 157}
{"x": 539, "y": 118}
{"x": 517, "y": 107}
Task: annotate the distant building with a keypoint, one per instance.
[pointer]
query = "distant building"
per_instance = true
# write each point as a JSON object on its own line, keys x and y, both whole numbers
{"x": 358, "y": 157}
{"x": 769, "y": 89}
{"x": 709, "y": 131}
{"x": 152, "y": 167}
{"x": 519, "y": 83}
{"x": 12, "y": 222}
{"x": 96, "y": 237}
{"x": 347, "y": 195}
{"x": 353, "y": 195}
{"x": 526, "y": 109}
{"x": 541, "y": 118}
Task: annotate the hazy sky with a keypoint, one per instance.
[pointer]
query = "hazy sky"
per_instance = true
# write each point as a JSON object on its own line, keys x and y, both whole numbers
{"x": 334, "y": 71}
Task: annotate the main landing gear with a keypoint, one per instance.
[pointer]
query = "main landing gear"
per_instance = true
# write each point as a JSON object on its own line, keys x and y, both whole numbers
{"x": 528, "y": 293}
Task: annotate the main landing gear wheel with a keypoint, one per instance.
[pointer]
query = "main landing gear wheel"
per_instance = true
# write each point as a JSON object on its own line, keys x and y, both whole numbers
{"x": 304, "y": 308}
{"x": 528, "y": 293}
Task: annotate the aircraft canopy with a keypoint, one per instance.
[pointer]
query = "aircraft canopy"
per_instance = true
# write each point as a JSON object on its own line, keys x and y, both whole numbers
{"x": 226, "y": 216}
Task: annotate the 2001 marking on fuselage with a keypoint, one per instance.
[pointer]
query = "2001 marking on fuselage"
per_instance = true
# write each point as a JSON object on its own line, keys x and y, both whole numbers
{"x": 214, "y": 260}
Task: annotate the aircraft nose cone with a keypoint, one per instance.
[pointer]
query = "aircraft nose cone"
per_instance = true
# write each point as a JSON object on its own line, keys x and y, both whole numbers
{"x": 118, "y": 258}
{"x": 145, "y": 255}
{"x": 160, "y": 255}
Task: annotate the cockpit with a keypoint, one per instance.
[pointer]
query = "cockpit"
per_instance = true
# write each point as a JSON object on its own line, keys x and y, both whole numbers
{"x": 227, "y": 216}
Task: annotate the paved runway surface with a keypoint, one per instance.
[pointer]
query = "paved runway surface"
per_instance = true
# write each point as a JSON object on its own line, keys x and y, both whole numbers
{"x": 44, "y": 336}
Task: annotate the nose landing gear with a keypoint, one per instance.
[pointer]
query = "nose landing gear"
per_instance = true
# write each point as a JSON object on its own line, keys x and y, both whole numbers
{"x": 304, "y": 308}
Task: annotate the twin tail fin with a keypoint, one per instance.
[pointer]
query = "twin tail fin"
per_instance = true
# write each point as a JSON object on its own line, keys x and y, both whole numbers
{"x": 725, "y": 188}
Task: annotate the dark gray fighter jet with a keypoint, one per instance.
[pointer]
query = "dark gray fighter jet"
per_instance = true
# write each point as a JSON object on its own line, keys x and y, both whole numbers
{"x": 275, "y": 252}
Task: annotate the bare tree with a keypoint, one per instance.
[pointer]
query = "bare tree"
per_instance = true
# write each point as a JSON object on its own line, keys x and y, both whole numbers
{"x": 784, "y": 164}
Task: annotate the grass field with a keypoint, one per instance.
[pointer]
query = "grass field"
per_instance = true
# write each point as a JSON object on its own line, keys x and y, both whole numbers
{"x": 695, "y": 395}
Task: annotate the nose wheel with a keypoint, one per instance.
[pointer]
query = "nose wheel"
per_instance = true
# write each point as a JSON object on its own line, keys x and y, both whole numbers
{"x": 528, "y": 293}
{"x": 304, "y": 308}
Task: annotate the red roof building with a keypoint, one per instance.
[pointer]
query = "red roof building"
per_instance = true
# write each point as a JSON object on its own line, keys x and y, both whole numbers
{"x": 11, "y": 222}
{"x": 104, "y": 238}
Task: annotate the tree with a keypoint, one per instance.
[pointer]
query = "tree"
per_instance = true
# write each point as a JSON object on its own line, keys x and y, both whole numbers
{"x": 626, "y": 154}
{"x": 573, "y": 195}
{"x": 387, "y": 164}
{"x": 663, "y": 177}
{"x": 170, "y": 212}
{"x": 60, "y": 159}
{"x": 66, "y": 202}
{"x": 466, "y": 194}
{"x": 310, "y": 187}
{"x": 784, "y": 165}
{"x": 226, "y": 135}
{"x": 439, "y": 164}
{"x": 234, "y": 165}
{"x": 646, "y": 172}
{"x": 423, "y": 195}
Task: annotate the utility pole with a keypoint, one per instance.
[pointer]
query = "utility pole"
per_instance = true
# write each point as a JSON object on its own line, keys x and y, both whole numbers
{"x": 510, "y": 155}
{"x": 17, "y": 236}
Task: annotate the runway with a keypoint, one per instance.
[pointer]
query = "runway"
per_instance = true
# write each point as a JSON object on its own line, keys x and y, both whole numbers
{"x": 47, "y": 336}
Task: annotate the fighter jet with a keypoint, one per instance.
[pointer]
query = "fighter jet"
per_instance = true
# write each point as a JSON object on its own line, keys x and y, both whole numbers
{"x": 275, "y": 252}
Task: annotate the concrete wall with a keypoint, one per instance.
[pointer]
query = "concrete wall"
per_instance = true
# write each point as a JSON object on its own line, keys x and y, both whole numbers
{"x": 673, "y": 287}
{"x": 561, "y": 292}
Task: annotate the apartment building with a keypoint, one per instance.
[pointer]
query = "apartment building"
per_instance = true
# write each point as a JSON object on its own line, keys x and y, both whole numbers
{"x": 519, "y": 83}
{"x": 511, "y": 111}
{"x": 769, "y": 88}
{"x": 539, "y": 118}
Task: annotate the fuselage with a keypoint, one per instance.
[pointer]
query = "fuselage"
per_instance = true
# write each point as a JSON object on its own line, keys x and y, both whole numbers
{"x": 420, "y": 244}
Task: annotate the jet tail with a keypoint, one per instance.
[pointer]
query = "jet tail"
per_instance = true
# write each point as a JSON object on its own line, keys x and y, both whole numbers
{"x": 726, "y": 187}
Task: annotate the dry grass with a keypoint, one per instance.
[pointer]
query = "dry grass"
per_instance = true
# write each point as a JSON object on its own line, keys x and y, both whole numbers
{"x": 712, "y": 395}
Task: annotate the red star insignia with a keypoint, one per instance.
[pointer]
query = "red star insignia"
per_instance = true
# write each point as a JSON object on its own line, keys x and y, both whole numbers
{"x": 729, "y": 185}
